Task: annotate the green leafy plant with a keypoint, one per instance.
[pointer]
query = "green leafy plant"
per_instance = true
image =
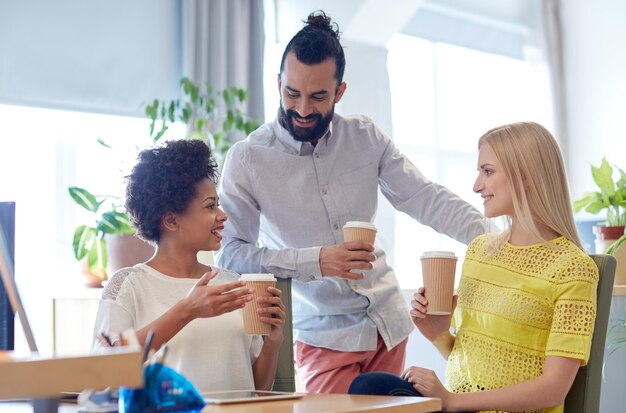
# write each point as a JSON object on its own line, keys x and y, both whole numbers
{"x": 200, "y": 107}
{"x": 88, "y": 241}
{"x": 611, "y": 250}
{"x": 611, "y": 196}
{"x": 212, "y": 116}
{"x": 616, "y": 334}
{"x": 616, "y": 337}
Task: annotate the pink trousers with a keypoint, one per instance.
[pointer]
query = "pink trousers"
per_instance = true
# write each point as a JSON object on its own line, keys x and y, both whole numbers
{"x": 322, "y": 370}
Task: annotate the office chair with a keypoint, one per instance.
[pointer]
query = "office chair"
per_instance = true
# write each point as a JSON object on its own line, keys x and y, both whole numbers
{"x": 584, "y": 396}
{"x": 285, "y": 376}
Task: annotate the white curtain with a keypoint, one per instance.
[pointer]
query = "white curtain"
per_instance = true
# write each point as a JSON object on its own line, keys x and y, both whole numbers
{"x": 554, "y": 56}
{"x": 223, "y": 45}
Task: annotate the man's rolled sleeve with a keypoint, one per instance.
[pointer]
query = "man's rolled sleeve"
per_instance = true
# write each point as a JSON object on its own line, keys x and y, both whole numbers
{"x": 308, "y": 264}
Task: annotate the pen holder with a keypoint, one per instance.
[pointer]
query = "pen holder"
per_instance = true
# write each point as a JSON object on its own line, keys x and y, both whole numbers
{"x": 164, "y": 390}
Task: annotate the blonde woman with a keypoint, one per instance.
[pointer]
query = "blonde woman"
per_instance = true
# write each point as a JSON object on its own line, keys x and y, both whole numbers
{"x": 526, "y": 303}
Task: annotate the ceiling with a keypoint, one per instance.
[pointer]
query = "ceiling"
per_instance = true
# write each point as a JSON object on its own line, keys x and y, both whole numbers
{"x": 357, "y": 18}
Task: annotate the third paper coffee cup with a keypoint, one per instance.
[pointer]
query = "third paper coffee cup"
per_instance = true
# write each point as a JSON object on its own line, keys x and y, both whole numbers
{"x": 252, "y": 323}
{"x": 359, "y": 231}
{"x": 438, "y": 270}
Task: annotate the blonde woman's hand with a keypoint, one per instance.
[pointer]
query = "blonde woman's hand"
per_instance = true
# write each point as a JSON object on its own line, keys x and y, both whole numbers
{"x": 205, "y": 300}
{"x": 431, "y": 326}
{"x": 427, "y": 383}
{"x": 272, "y": 311}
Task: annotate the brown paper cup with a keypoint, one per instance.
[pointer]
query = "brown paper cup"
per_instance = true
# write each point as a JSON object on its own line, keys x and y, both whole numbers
{"x": 359, "y": 231}
{"x": 252, "y": 323}
{"x": 438, "y": 269}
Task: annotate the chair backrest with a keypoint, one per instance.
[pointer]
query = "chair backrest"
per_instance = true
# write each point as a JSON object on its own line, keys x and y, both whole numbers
{"x": 285, "y": 376}
{"x": 584, "y": 396}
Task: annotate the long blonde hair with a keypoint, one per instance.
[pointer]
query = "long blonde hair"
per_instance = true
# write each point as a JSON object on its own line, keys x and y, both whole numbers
{"x": 532, "y": 163}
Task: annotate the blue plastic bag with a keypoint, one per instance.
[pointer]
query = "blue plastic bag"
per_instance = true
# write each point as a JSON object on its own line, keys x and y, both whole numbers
{"x": 165, "y": 390}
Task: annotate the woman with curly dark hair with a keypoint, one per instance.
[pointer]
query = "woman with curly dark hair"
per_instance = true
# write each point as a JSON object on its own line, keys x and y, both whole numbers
{"x": 172, "y": 200}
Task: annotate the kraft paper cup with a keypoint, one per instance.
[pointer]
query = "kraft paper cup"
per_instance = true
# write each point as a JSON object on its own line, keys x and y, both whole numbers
{"x": 252, "y": 323}
{"x": 359, "y": 231}
{"x": 438, "y": 269}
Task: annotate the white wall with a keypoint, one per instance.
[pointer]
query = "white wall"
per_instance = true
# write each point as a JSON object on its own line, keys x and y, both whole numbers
{"x": 594, "y": 34}
{"x": 89, "y": 55}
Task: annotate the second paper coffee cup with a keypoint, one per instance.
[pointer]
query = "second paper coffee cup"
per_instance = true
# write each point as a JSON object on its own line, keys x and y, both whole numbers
{"x": 252, "y": 323}
{"x": 359, "y": 231}
{"x": 438, "y": 270}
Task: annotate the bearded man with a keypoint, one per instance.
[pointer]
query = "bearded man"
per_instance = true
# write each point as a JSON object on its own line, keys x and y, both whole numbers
{"x": 290, "y": 187}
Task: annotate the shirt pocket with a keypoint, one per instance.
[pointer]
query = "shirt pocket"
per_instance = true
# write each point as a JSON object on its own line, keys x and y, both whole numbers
{"x": 360, "y": 191}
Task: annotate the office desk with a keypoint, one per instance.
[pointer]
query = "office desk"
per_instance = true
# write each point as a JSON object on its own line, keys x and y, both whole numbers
{"x": 312, "y": 403}
{"x": 333, "y": 403}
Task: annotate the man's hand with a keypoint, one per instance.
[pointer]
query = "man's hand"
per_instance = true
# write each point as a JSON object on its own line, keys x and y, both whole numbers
{"x": 338, "y": 260}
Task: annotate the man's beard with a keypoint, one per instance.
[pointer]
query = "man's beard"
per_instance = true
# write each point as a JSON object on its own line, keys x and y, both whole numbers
{"x": 305, "y": 134}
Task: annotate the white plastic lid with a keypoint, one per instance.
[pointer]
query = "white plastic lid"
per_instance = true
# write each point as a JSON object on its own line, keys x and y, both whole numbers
{"x": 438, "y": 254}
{"x": 360, "y": 224}
{"x": 258, "y": 277}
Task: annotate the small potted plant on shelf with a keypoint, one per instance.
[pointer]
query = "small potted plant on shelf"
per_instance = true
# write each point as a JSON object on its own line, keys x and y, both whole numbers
{"x": 212, "y": 116}
{"x": 611, "y": 199}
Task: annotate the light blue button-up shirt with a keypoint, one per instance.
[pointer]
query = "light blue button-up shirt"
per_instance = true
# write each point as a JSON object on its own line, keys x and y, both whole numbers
{"x": 286, "y": 199}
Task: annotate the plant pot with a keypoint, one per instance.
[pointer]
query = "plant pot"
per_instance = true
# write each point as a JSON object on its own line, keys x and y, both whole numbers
{"x": 605, "y": 237}
{"x": 92, "y": 278}
{"x": 126, "y": 250}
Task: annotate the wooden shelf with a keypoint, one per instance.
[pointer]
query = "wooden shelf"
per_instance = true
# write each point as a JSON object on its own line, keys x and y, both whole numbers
{"x": 37, "y": 377}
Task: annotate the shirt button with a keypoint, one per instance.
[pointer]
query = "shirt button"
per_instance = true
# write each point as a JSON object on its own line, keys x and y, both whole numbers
{"x": 317, "y": 155}
{"x": 324, "y": 191}
{"x": 335, "y": 227}
{"x": 312, "y": 276}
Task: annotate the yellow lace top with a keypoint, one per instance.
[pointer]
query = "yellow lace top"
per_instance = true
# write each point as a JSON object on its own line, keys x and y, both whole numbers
{"x": 516, "y": 307}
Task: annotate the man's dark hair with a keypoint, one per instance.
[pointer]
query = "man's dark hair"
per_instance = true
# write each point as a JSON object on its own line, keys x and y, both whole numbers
{"x": 164, "y": 180}
{"x": 317, "y": 41}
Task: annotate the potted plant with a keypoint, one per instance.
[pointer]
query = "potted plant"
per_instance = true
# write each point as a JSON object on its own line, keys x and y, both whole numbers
{"x": 214, "y": 117}
{"x": 89, "y": 241}
{"x": 611, "y": 198}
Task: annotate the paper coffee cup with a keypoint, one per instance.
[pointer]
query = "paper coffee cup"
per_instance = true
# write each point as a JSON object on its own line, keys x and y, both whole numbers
{"x": 252, "y": 323}
{"x": 359, "y": 231}
{"x": 438, "y": 269}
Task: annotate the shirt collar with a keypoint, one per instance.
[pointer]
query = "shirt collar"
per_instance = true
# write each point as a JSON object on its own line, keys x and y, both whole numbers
{"x": 300, "y": 148}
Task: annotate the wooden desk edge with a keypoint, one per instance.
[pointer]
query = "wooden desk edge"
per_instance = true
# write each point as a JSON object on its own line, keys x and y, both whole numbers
{"x": 36, "y": 377}
{"x": 335, "y": 403}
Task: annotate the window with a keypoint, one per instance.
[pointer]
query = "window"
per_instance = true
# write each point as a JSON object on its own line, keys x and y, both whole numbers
{"x": 444, "y": 98}
{"x": 42, "y": 153}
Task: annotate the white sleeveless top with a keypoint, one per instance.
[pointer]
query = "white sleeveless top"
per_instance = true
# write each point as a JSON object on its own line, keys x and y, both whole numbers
{"x": 213, "y": 353}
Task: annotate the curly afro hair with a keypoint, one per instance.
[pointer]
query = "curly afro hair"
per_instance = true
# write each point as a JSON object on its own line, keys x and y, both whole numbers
{"x": 164, "y": 180}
